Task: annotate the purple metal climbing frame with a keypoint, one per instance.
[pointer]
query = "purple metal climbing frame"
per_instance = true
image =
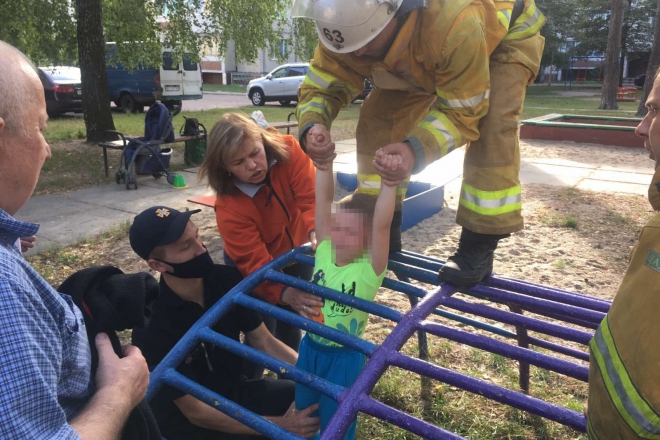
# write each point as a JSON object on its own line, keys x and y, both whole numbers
{"x": 572, "y": 308}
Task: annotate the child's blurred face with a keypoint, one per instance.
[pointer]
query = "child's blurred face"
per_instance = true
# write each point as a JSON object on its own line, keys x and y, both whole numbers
{"x": 347, "y": 234}
{"x": 249, "y": 164}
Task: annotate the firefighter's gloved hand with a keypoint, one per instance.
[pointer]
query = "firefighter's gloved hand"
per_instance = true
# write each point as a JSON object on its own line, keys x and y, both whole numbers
{"x": 394, "y": 177}
{"x": 320, "y": 147}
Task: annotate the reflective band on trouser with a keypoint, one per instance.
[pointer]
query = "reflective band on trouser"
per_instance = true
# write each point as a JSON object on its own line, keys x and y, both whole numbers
{"x": 491, "y": 203}
{"x": 473, "y": 101}
{"x": 316, "y": 105}
{"x": 528, "y": 24}
{"x": 324, "y": 81}
{"x": 632, "y": 407}
{"x": 370, "y": 184}
{"x": 444, "y": 132}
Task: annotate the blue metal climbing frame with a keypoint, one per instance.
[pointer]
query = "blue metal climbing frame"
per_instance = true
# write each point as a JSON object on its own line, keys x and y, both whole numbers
{"x": 558, "y": 305}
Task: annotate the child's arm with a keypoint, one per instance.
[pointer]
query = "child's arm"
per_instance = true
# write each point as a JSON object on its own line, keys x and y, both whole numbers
{"x": 383, "y": 214}
{"x": 325, "y": 194}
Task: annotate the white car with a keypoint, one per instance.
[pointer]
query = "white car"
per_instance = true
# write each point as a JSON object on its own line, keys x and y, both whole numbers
{"x": 279, "y": 85}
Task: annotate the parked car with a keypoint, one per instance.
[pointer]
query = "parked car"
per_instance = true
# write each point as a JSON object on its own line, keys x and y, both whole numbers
{"x": 639, "y": 81}
{"x": 279, "y": 85}
{"x": 174, "y": 81}
{"x": 62, "y": 89}
{"x": 282, "y": 85}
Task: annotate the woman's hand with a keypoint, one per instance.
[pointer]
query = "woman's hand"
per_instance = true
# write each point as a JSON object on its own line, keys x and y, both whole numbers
{"x": 301, "y": 422}
{"x": 302, "y": 302}
{"x": 312, "y": 239}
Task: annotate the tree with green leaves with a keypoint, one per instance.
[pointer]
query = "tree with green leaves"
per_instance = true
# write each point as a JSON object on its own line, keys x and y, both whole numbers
{"x": 48, "y": 32}
{"x": 305, "y": 38}
{"x": 557, "y": 31}
{"x": 654, "y": 63}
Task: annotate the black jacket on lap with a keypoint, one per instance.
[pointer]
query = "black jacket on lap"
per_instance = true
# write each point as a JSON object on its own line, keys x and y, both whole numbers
{"x": 112, "y": 301}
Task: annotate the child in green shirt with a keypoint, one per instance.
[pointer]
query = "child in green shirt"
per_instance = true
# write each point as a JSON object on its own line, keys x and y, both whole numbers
{"x": 351, "y": 258}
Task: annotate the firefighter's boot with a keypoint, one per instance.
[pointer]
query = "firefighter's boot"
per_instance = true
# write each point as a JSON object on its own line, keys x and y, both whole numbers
{"x": 473, "y": 260}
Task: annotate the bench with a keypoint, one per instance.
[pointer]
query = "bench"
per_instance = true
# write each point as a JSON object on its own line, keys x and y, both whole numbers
{"x": 289, "y": 124}
{"x": 120, "y": 144}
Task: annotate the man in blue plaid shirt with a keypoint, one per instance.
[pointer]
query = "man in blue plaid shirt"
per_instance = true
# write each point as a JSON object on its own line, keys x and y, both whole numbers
{"x": 46, "y": 388}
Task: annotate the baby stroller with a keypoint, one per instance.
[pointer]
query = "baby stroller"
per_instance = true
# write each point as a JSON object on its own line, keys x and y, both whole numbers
{"x": 145, "y": 155}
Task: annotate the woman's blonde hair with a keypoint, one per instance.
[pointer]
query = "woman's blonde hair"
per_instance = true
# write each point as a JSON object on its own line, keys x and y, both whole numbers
{"x": 226, "y": 138}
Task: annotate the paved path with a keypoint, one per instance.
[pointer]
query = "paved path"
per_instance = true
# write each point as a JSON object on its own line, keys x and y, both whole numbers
{"x": 68, "y": 218}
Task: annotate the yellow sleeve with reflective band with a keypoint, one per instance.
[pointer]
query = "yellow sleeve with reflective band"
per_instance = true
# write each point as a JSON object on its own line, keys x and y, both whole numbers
{"x": 529, "y": 23}
{"x": 328, "y": 86}
{"x": 462, "y": 79}
{"x": 504, "y": 10}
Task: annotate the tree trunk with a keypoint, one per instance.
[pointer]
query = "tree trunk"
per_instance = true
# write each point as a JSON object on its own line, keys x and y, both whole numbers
{"x": 91, "y": 56}
{"x": 624, "y": 51}
{"x": 654, "y": 62}
{"x": 611, "y": 83}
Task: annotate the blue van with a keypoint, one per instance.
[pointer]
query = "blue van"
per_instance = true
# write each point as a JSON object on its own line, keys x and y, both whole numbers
{"x": 174, "y": 81}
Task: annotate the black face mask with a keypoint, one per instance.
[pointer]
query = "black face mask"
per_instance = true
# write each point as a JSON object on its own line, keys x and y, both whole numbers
{"x": 198, "y": 267}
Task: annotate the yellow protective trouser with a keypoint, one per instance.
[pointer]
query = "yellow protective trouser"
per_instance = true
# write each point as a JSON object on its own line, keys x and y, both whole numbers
{"x": 492, "y": 163}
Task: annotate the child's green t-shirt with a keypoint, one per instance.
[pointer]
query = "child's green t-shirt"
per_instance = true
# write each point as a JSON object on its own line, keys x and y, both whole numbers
{"x": 357, "y": 279}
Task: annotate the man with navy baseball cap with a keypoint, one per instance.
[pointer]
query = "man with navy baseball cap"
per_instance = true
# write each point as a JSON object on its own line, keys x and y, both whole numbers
{"x": 189, "y": 285}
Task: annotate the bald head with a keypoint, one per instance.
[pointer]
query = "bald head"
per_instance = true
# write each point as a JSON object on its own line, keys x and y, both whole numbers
{"x": 20, "y": 87}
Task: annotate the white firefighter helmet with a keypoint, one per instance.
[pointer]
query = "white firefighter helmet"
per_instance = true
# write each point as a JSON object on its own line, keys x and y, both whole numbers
{"x": 347, "y": 25}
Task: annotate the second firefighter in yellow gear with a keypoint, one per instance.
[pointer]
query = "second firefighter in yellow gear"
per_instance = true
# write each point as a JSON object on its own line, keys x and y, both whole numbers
{"x": 455, "y": 73}
{"x": 624, "y": 370}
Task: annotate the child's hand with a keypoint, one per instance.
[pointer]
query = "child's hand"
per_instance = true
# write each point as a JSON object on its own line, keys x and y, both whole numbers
{"x": 383, "y": 161}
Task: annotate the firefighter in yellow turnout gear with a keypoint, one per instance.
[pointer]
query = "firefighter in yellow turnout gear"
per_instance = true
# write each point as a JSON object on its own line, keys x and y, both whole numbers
{"x": 624, "y": 372}
{"x": 445, "y": 73}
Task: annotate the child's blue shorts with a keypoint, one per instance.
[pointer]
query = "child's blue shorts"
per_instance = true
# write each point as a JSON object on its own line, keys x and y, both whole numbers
{"x": 339, "y": 365}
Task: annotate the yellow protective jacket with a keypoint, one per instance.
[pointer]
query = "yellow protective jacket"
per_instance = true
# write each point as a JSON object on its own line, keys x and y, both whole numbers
{"x": 441, "y": 50}
{"x": 624, "y": 372}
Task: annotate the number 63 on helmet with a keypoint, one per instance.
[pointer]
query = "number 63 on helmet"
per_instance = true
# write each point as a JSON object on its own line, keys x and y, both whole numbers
{"x": 346, "y": 26}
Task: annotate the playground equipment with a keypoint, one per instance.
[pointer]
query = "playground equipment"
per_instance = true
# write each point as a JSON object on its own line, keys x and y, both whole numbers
{"x": 602, "y": 130}
{"x": 583, "y": 312}
{"x": 627, "y": 94}
{"x": 583, "y": 65}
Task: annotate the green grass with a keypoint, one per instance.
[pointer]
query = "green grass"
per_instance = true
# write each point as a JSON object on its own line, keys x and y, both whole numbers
{"x": 82, "y": 166}
{"x": 570, "y": 222}
{"x": 76, "y": 164}
{"x": 542, "y": 100}
{"x": 71, "y": 127}
{"x": 234, "y": 88}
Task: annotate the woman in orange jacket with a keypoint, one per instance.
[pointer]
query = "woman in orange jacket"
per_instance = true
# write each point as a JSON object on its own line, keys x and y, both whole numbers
{"x": 264, "y": 207}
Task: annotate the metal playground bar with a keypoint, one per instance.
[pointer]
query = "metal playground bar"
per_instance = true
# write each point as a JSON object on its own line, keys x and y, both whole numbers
{"x": 583, "y": 312}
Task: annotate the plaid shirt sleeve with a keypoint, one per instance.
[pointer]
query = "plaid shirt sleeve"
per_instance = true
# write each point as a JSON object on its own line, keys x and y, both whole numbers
{"x": 30, "y": 370}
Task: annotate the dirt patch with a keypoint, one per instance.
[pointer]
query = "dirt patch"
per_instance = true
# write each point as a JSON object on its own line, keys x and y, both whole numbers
{"x": 593, "y": 154}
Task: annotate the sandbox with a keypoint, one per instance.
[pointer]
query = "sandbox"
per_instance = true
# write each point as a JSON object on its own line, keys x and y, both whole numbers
{"x": 603, "y": 130}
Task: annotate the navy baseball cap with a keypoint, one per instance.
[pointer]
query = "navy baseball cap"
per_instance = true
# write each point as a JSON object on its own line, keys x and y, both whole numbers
{"x": 157, "y": 226}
